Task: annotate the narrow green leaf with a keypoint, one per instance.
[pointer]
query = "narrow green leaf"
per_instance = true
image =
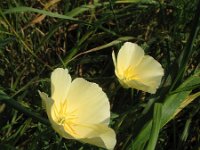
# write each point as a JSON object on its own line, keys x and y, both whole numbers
{"x": 137, "y": 1}
{"x": 171, "y": 105}
{"x": 188, "y": 50}
{"x": 157, "y": 115}
{"x": 117, "y": 41}
{"x": 185, "y": 133}
{"x": 79, "y": 10}
{"x": 74, "y": 51}
{"x": 44, "y": 12}
{"x": 186, "y": 102}
{"x": 14, "y": 104}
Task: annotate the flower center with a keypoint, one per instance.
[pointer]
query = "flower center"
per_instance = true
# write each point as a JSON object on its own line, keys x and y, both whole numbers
{"x": 66, "y": 119}
{"x": 129, "y": 74}
{"x": 61, "y": 120}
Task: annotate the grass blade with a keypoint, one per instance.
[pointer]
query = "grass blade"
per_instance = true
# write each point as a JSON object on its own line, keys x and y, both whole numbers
{"x": 115, "y": 42}
{"x": 44, "y": 12}
{"x": 12, "y": 103}
{"x": 157, "y": 115}
{"x": 186, "y": 54}
{"x": 171, "y": 105}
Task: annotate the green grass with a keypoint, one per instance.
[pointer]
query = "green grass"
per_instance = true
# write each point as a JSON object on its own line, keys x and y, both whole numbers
{"x": 81, "y": 35}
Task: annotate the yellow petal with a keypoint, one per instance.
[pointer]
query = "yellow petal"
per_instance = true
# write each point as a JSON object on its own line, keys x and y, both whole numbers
{"x": 139, "y": 86}
{"x": 149, "y": 72}
{"x": 114, "y": 59}
{"x": 61, "y": 131}
{"x": 99, "y": 135}
{"x": 130, "y": 55}
{"x": 89, "y": 102}
{"x": 48, "y": 103}
{"x": 50, "y": 109}
{"x": 60, "y": 84}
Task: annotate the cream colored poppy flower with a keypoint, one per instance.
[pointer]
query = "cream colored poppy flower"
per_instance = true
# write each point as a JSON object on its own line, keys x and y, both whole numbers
{"x": 79, "y": 110}
{"x": 136, "y": 70}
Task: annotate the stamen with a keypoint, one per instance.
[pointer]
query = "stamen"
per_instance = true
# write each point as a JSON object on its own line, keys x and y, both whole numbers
{"x": 67, "y": 119}
{"x": 129, "y": 74}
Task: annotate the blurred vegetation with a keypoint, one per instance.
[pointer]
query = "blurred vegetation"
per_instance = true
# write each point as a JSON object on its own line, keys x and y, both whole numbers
{"x": 36, "y": 36}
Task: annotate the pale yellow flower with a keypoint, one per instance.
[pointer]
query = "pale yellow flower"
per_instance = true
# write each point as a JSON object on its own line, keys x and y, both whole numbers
{"x": 136, "y": 70}
{"x": 79, "y": 110}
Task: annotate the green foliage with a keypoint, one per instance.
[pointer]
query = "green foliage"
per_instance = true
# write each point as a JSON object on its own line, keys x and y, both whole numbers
{"x": 157, "y": 115}
{"x": 81, "y": 35}
{"x": 171, "y": 105}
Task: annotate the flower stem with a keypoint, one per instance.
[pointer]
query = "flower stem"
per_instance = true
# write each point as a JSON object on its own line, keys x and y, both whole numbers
{"x": 14, "y": 104}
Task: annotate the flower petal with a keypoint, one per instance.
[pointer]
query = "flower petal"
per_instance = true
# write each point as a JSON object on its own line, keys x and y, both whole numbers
{"x": 60, "y": 84}
{"x": 130, "y": 55}
{"x": 99, "y": 135}
{"x": 149, "y": 72}
{"x": 139, "y": 86}
{"x": 48, "y": 103}
{"x": 89, "y": 101}
{"x": 50, "y": 109}
{"x": 61, "y": 131}
{"x": 114, "y": 59}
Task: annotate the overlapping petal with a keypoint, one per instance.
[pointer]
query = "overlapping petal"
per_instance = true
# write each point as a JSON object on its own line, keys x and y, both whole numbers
{"x": 89, "y": 98}
{"x": 48, "y": 104}
{"x": 60, "y": 84}
{"x": 150, "y": 73}
{"x": 130, "y": 55}
{"x": 101, "y": 135}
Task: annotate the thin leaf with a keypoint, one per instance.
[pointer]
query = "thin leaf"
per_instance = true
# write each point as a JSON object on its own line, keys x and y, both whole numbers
{"x": 188, "y": 50}
{"x": 186, "y": 102}
{"x": 44, "y": 12}
{"x": 117, "y": 41}
{"x": 157, "y": 115}
{"x": 171, "y": 105}
{"x": 14, "y": 104}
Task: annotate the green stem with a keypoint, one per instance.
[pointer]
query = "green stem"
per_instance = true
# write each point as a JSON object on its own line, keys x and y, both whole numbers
{"x": 14, "y": 104}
